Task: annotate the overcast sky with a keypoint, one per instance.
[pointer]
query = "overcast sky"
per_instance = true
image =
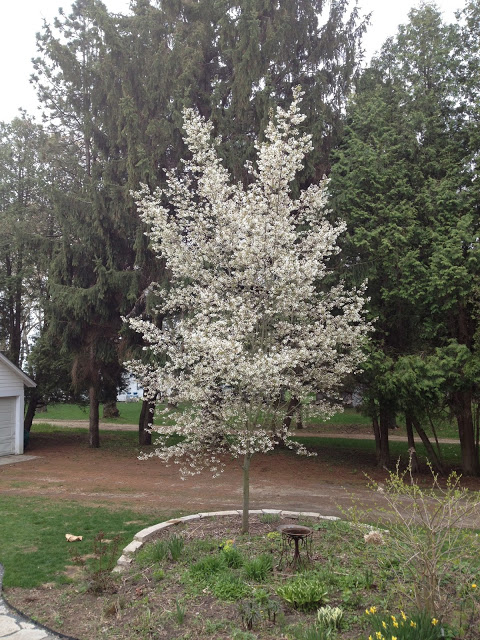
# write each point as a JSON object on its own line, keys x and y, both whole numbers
{"x": 22, "y": 19}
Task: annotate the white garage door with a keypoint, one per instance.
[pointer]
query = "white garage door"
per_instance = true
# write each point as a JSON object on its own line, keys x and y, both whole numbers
{"x": 7, "y": 426}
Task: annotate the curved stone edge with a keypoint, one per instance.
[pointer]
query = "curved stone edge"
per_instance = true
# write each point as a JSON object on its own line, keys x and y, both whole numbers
{"x": 145, "y": 535}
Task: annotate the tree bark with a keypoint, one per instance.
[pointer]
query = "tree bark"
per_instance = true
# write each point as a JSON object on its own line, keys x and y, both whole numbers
{"x": 385, "y": 424}
{"x": 411, "y": 442}
{"x": 146, "y": 419}
{"x": 246, "y": 491}
{"x": 30, "y": 414}
{"x": 432, "y": 455}
{"x": 462, "y": 408}
{"x": 110, "y": 409}
{"x": 93, "y": 426}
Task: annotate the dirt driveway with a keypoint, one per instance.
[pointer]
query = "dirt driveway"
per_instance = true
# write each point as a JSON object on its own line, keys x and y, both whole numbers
{"x": 66, "y": 469}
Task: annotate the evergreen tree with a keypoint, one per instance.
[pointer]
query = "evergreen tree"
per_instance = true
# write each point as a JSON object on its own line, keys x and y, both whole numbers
{"x": 411, "y": 208}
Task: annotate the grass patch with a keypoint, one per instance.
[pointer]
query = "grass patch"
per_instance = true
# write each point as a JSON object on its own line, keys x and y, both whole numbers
{"x": 33, "y": 548}
{"x": 351, "y": 447}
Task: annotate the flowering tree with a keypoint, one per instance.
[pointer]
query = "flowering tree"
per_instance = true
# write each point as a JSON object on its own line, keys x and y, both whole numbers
{"x": 251, "y": 318}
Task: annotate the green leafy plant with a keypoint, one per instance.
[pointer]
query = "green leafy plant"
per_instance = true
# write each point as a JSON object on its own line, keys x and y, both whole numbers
{"x": 270, "y": 518}
{"x": 250, "y": 613}
{"x": 303, "y": 592}
{"x": 206, "y": 568}
{"x": 179, "y": 612}
{"x": 313, "y": 632}
{"x": 259, "y": 568}
{"x": 330, "y": 617}
{"x": 228, "y": 586}
{"x": 233, "y": 558}
{"x": 175, "y": 547}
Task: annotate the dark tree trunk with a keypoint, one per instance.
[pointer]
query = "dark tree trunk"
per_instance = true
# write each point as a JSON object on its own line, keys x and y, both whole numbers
{"x": 432, "y": 454}
{"x": 146, "y": 419}
{"x": 93, "y": 427}
{"x": 387, "y": 418}
{"x": 411, "y": 442}
{"x": 110, "y": 409}
{"x": 378, "y": 439}
{"x": 462, "y": 408}
{"x": 291, "y": 409}
{"x": 30, "y": 414}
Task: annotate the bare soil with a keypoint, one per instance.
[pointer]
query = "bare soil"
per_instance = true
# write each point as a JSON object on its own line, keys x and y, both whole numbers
{"x": 66, "y": 469}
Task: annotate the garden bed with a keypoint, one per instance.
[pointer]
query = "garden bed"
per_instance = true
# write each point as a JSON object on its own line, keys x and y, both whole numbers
{"x": 201, "y": 579}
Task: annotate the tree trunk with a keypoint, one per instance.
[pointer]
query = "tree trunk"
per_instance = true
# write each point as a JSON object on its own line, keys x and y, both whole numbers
{"x": 93, "y": 428}
{"x": 432, "y": 455}
{"x": 386, "y": 414}
{"x": 246, "y": 491}
{"x": 110, "y": 409}
{"x": 411, "y": 443}
{"x": 378, "y": 439}
{"x": 146, "y": 419}
{"x": 30, "y": 414}
{"x": 462, "y": 407}
{"x": 291, "y": 409}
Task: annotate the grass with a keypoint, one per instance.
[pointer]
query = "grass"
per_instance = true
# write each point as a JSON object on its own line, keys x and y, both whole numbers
{"x": 33, "y": 548}
{"x": 129, "y": 413}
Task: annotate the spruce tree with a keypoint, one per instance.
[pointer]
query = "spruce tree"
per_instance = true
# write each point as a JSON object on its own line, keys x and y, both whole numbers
{"x": 407, "y": 159}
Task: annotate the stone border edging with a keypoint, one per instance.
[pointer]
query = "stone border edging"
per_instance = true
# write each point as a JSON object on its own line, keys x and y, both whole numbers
{"x": 145, "y": 535}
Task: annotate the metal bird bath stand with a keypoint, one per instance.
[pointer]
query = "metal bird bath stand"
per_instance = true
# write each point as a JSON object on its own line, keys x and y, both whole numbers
{"x": 298, "y": 539}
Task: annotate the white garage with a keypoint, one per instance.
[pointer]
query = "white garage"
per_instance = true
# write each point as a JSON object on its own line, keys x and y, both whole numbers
{"x": 12, "y": 382}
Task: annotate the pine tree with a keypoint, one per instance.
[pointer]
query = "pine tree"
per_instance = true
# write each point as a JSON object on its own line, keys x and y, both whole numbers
{"x": 410, "y": 207}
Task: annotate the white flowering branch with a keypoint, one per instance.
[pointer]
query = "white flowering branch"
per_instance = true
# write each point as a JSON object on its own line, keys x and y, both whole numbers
{"x": 250, "y": 316}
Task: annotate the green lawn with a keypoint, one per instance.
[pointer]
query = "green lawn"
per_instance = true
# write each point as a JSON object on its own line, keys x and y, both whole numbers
{"x": 129, "y": 413}
{"x": 33, "y": 548}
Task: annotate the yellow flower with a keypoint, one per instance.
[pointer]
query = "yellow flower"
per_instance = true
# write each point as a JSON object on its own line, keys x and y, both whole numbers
{"x": 394, "y": 637}
{"x": 474, "y": 586}
{"x": 434, "y": 621}
{"x": 384, "y": 625}
{"x": 370, "y": 638}
{"x": 395, "y": 624}
{"x": 403, "y": 615}
{"x": 373, "y": 609}
{"x": 379, "y": 636}
{"x": 367, "y": 612}
{"x": 413, "y": 624}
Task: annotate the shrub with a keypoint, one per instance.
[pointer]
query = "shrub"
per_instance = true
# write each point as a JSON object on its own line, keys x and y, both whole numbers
{"x": 426, "y": 539}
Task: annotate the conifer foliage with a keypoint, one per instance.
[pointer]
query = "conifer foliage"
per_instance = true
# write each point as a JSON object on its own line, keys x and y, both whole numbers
{"x": 251, "y": 316}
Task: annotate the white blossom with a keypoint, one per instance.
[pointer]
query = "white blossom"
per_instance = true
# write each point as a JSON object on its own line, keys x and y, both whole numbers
{"x": 251, "y": 318}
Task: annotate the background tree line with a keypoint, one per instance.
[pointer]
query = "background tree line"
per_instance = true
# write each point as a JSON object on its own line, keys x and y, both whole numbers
{"x": 399, "y": 139}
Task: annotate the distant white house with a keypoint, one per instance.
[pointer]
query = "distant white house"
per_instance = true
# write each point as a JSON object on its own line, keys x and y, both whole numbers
{"x": 12, "y": 383}
{"x": 134, "y": 390}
